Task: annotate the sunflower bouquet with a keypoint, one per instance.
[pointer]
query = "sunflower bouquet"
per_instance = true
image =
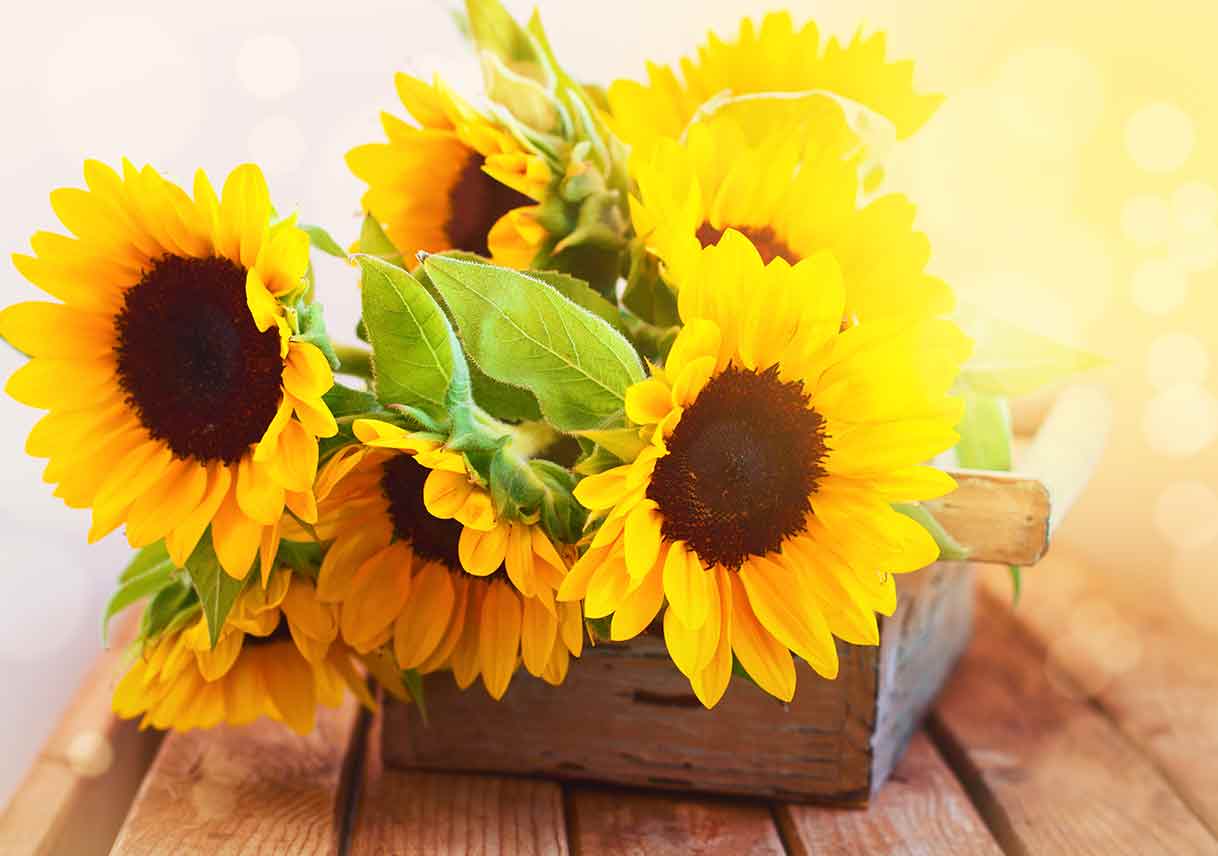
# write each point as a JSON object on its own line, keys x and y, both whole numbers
{"x": 662, "y": 358}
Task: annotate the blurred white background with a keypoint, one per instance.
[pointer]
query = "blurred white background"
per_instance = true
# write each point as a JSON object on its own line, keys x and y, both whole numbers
{"x": 1070, "y": 184}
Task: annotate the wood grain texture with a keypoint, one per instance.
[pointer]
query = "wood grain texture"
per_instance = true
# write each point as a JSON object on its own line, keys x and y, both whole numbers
{"x": 922, "y": 811}
{"x": 430, "y": 814}
{"x": 920, "y": 645}
{"x": 258, "y": 789}
{"x": 628, "y": 823}
{"x": 1139, "y": 659}
{"x": 626, "y": 715}
{"x": 1050, "y": 773}
{"x": 77, "y": 792}
{"x": 1003, "y": 518}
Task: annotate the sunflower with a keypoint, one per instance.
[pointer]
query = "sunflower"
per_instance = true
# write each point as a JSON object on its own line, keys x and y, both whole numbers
{"x": 420, "y": 560}
{"x": 455, "y": 181}
{"x": 276, "y": 657}
{"x": 791, "y": 197}
{"x": 761, "y": 508}
{"x": 792, "y": 66}
{"x": 178, "y": 398}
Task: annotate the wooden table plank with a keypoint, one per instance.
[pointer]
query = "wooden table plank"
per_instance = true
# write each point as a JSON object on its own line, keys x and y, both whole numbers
{"x": 401, "y": 813}
{"x": 77, "y": 792}
{"x": 607, "y": 822}
{"x": 921, "y": 811}
{"x": 1133, "y": 653}
{"x": 259, "y": 789}
{"x": 1050, "y": 773}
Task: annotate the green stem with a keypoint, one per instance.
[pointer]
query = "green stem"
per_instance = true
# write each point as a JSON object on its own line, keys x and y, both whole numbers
{"x": 530, "y": 438}
{"x": 355, "y": 361}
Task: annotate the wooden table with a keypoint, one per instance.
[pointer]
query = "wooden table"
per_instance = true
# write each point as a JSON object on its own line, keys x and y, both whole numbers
{"x": 1085, "y": 722}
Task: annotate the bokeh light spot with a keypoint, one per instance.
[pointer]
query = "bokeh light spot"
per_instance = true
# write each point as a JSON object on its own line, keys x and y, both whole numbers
{"x": 1160, "y": 137}
{"x": 1181, "y": 421}
{"x": 268, "y": 66}
{"x": 1158, "y": 286}
{"x": 1195, "y": 206}
{"x": 1186, "y": 514}
{"x": 1194, "y": 250}
{"x": 1177, "y": 358}
{"x": 1146, "y": 220}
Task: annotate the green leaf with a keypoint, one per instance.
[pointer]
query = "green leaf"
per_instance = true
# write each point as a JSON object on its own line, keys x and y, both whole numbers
{"x": 413, "y": 348}
{"x": 147, "y": 557}
{"x": 1016, "y": 584}
{"x": 985, "y": 434}
{"x": 313, "y": 331}
{"x": 320, "y": 239}
{"x": 1010, "y": 361}
{"x": 581, "y": 294}
{"x": 374, "y": 242}
{"x": 304, "y": 557}
{"x": 495, "y": 31}
{"x": 599, "y": 628}
{"x": 145, "y": 583}
{"x": 344, "y": 401}
{"x": 646, "y": 294}
{"x": 217, "y": 591}
{"x": 166, "y": 609}
{"x": 413, "y": 682}
{"x": 950, "y": 550}
{"x": 520, "y": 330}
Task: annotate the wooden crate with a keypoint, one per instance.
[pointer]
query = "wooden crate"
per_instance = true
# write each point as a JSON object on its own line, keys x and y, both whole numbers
{"x": 626, "y": 715}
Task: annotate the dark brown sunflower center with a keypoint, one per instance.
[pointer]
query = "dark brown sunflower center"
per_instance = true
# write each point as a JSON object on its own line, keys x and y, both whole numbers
{"x": 741, "y": 465}
{"x": 475, "y": 202}
{"x": 768, "y": 244}
{"x": 194, "y": 367}
{"x": 430, "y": 537}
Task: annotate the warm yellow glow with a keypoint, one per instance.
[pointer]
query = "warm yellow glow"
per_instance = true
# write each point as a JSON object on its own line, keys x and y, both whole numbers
{"x": 1160, "y": 137}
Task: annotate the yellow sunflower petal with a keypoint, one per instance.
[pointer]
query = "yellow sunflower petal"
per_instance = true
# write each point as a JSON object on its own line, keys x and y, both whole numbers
{"x": 62, "y": 384}
{"x": 642, "y": 538}
{"x": 639, "y": 608}
{"x": 259, "y": 496}
{"x": 378, "y": 592}
{"x": 499, "y": 639}
{"x": 538, "y": 631}
{"x": 57, "y": 331}
{"x": 607, "y": 587}
{"x": 482, "y": 553}
{"x": 788, "y": 614}
{"x": 445, "y": 493}
{"x": 182, "y": 541}
{"x": 424, "y": 618}
{"x": 603, "y": 490}
{"x": 648, "y": 401}
{"x": 307, "y": 372}
{"x": 767, "y": 661}
{"x": 687, "y": 585}
{"x": 711, "y": 682}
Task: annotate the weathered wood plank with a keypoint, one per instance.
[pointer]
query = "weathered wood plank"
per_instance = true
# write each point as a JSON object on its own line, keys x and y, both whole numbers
{"x": 259, "y": 789}
{"x": 77, "y": 792}
{"x": 1050, "y": 773}
{"x": 922, "y": 811}
{"x": 1147, "y": 666}
{"x": 432, "y": 814}
{"x": 1002, "y": 518}
{"x": 628, "y": 823}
